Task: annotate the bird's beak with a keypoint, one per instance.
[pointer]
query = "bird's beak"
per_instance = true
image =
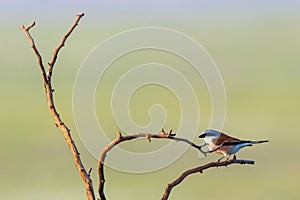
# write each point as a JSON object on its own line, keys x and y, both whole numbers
{"x": 202, "y": 135}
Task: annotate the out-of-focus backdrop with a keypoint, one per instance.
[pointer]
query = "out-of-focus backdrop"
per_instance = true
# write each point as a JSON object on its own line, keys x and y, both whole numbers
{"x": 255, "y": 45}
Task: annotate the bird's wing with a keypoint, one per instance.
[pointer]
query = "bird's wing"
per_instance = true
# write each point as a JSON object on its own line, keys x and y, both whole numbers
{"x": 225, "y": 139}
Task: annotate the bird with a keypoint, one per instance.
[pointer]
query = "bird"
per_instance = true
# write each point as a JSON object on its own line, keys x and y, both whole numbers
{"x": 222, "y": 143}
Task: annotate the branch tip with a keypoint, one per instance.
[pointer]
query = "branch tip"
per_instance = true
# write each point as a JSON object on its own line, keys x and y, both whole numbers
{"x": 60, "y": 46}
{"x": 80, "y": 15}
{"x": 28, "y": 27}
{"x": 119, "y": 134}
{"x": 170, "y": 134}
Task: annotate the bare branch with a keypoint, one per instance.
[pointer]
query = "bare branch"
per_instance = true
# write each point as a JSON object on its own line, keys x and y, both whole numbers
{"x": 200, "y": 169}
{"x": 121, "y": 138}
{"x": 49, "y": 94}
{"x": 62, "y": 44}
{"x": 35, "y": 50}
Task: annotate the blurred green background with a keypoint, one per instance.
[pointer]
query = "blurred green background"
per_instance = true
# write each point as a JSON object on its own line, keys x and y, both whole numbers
{"x": 255, "y": 46}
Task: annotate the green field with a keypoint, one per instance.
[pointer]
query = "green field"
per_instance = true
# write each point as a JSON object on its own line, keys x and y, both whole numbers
{"x": 258, "y": 59}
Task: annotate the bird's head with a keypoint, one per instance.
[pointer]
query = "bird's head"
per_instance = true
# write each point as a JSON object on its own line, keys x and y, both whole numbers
{"x": 210, "y": 133}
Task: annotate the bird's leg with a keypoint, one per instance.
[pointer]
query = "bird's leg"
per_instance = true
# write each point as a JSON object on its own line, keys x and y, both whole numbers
{"x": 234, "y": 157}
{"x": 219, "y": 160}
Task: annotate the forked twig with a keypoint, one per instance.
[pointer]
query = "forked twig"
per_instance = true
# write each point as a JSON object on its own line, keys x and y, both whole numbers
{"x": 49, "y": 94}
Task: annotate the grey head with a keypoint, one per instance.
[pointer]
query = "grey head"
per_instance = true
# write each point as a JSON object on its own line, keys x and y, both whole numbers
{"x": 211, "y": 133}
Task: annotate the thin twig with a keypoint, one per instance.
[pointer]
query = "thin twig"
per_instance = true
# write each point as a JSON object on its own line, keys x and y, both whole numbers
{"x": 121, "y": 138}
{"x": 62, "y": 44}
{"x": 200, "y": 169}
{"x": 35, "y": 50}
{"x": 49, "y": 94}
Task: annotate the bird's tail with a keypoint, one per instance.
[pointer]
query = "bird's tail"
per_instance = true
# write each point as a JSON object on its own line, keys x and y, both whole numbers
{"x": 260, "y": 141}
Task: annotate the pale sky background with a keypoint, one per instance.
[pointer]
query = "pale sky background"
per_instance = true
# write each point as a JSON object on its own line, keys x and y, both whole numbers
{"x": 113, "y": 11}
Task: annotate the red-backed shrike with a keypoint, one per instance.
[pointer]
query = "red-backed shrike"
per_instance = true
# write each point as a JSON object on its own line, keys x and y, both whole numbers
{"x": 221, "y": 143}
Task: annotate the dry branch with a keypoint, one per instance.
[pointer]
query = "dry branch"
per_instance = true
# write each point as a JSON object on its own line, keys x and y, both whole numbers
{"x": 49, "y": 94}
{"x": 200, "y": 169}
{"x": 36, "y": 52}
{"x": 61, "y": 45}
{"x": 121, "y": 138}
